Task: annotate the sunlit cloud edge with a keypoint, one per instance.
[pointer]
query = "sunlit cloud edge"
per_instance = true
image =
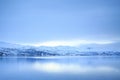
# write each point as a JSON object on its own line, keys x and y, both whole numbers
{"x": 67, "y": 43}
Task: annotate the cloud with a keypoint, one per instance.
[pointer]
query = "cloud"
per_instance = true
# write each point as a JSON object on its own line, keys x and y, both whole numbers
{"x": 67, "y": 43}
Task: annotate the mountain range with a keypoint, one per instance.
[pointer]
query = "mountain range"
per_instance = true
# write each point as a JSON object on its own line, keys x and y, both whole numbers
{"x": 9, "y": 49}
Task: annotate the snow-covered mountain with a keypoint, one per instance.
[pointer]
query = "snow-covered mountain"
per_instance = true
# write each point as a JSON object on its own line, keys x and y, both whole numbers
{"x": 83, "y": 50}
{"x": 9, "y": 45}
{"x": 100, "y": 47}
{"x": 85, "y": 47}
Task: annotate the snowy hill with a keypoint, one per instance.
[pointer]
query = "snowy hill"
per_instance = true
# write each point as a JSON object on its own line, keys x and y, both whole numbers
{"x": 9, "y": 45}
{"x": 101, "y": 47}
{"x": 8, "y": 49}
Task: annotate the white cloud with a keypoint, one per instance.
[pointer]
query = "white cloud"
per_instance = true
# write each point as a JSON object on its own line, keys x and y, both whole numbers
{"x": 67, "y": 43}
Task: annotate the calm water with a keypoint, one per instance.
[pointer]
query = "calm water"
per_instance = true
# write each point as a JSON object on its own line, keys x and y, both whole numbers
{"x": 60, "y": 68}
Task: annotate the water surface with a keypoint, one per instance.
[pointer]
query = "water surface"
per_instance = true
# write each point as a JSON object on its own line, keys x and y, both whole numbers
{"x": 60, "y": 68}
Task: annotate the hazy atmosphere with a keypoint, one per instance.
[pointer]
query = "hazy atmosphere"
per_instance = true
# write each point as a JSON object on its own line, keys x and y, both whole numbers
{"x": 59, "y": 39}
{"x": 37, "y": 21}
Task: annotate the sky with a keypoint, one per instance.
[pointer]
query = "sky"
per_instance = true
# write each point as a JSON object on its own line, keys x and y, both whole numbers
{"x": 59, "y": 21}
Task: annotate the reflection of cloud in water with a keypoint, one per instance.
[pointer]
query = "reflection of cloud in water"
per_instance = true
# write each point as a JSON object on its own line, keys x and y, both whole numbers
{"x": 72, "y": 68}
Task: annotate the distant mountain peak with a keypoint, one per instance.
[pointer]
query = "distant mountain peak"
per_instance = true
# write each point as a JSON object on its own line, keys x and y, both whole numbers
{"x": 9, "y": 45}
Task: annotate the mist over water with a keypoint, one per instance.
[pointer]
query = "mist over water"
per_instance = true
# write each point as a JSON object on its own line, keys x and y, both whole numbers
{"x": 47, "y": 28}
{"x": 60, "y": 68}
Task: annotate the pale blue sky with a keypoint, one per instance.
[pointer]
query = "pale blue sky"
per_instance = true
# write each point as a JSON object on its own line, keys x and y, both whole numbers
{"x": 31, "y": 21}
